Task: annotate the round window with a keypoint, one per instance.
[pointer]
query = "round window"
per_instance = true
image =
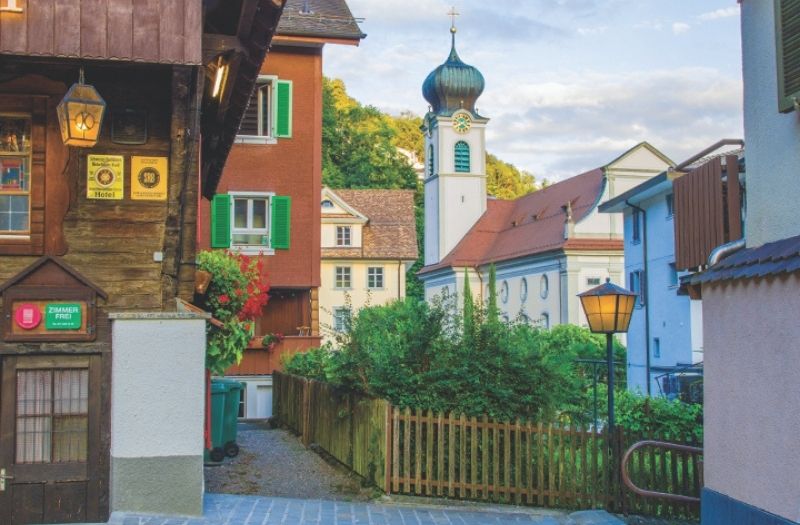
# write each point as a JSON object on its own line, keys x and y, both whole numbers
{"x": 523, "y": 290}
{"x": 504, "y": 292}
{"x": 544, "y": 287}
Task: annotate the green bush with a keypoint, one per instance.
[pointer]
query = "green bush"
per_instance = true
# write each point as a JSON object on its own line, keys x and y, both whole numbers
{"x": 434, "y": 357}
{"x": 657, "y": 416}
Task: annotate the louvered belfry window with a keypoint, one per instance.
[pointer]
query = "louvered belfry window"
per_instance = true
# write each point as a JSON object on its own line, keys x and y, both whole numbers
{"x": 462, "y": 157}
{"x": 787, "y": 22}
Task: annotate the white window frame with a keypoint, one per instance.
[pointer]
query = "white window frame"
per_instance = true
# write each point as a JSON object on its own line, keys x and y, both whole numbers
{"x": 336, "y": 278}
{"x": 340, "y": 313}
{"x": 266, "y": 136}
{"x": 349, "y": 236}
{"x": 251, "y": 249}
{"x": 379, "y": 271}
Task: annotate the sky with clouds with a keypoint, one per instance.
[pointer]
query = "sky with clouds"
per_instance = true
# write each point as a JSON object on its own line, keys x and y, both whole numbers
{"x": 570, "y": 84}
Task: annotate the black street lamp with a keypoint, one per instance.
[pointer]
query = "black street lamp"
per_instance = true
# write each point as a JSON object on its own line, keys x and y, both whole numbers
{"x": 608, "y": 309}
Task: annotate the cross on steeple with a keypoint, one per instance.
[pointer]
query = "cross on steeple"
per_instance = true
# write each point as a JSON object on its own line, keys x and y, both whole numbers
{"x": 453, "y": 14}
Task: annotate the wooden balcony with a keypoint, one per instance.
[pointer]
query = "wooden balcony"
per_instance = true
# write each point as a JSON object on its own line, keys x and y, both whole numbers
{"x": 259, "y": 360}
{"x": 708, "y": 205}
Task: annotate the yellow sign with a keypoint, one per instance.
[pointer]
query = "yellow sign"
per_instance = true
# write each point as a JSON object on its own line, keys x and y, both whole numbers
{"x": 105, "y": 177}
{"x": 149, "y": 178}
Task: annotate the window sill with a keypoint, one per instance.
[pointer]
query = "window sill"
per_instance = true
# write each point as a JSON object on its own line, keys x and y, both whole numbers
{"x": 376, "y": 289}
{"x": 253, "y": 250}
{"x": 254, "y": 139}
{"x": 343, "y": 289}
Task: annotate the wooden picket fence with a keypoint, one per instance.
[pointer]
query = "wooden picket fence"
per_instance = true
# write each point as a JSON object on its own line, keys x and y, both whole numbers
{"x": 453, "y": 456}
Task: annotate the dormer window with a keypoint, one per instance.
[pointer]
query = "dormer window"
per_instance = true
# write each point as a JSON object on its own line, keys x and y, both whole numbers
{"x": 344, "y": 236}
{"x": 327, "y": 203}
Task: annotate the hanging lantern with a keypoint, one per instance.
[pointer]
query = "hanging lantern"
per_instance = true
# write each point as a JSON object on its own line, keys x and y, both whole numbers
{"x": 80, "y": 115}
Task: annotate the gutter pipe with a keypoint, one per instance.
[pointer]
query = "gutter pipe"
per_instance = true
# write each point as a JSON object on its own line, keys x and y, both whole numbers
{"x": 646, "y": 292}
{"x": 723, "y": 250}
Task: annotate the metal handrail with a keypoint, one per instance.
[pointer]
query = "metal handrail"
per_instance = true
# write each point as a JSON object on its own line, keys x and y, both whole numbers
{"x": 651, "y": 493}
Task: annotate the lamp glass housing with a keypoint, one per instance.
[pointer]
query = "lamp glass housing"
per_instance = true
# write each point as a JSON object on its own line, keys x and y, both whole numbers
{"x": 608, "y": 308}
{"x": 80, "y": 116}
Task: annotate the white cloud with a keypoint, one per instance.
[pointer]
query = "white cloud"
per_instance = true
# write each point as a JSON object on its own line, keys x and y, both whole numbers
{"x": 724, "y": 12}
{"x": 680, "y": 27}
{"x": 592, "y": 31}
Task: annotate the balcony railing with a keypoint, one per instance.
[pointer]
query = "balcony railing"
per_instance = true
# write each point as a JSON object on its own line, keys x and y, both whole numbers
{"x": 259, "y": 360}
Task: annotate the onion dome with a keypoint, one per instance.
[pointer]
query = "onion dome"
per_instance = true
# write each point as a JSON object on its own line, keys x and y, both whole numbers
{"x": 454, "y": 85}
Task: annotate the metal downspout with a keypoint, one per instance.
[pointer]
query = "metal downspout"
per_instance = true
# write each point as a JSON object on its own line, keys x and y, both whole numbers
{"x": 723, "y": 250}
{"x": 646, "y": 293}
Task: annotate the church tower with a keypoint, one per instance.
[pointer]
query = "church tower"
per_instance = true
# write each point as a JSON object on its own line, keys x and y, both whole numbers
{"x": 455, "y": 154}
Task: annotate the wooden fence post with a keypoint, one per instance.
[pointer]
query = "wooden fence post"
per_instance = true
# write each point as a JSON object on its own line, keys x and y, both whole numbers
{"x": 387, "y": 464}
{"x": 306, "y": 413}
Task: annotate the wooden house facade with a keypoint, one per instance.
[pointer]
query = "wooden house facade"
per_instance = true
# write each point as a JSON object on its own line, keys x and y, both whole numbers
{"x": 118, "y": 218}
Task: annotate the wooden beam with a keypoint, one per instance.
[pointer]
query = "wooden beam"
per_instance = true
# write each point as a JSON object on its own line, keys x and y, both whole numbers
{"x": 306, "y": 40}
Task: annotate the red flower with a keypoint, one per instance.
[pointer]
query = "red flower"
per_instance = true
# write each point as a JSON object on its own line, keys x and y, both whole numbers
{"x": 239, "y": 292}
{"x": 224, "y": 299}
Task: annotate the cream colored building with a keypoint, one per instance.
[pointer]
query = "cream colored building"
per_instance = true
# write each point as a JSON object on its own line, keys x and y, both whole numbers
{"x": 369, "y": 241}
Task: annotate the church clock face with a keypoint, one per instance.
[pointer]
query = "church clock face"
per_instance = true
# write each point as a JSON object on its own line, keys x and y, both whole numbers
{"x": 462, "y": 123}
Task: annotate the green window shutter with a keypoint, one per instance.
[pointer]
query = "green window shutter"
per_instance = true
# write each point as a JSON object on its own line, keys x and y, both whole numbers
{"x": 221, "y": 221}
{"x": 283, "y": 105}
{"x": 787, "y": 25}
{"x": 281, "y": 222}
{"x": 462, "y": 157}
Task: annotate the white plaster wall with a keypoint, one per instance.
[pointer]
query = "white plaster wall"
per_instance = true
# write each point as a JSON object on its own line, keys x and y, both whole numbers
{"x": 329, "y": 235}
{"x": 534, "y": 305}
{"x": 752, "y": 389}
{"x": 462, "y": 201}
{"x": 157, "y": 385}
{"x": 636, "y": 167}
{"x": 258, "y": 396}
{"x": 475, "y": 137}
{"x": 772, "y": 138}
{"x": 431, "y": 240}
{"x": 578, "y": 268}
{"x": 394, "y": 287}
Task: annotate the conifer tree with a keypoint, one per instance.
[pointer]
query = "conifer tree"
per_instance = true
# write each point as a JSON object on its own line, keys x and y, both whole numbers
{"x": 492, "y": 311}
{"x": 469, "y": 309}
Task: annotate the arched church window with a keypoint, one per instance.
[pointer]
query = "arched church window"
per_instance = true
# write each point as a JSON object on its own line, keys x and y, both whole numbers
{"x": 430, "y": 161}
{"x": 462, "y": 157}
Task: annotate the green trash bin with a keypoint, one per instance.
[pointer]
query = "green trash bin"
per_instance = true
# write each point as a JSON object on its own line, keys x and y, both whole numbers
{"x": 219, "y": 395}
{"x": 231, "y": 416}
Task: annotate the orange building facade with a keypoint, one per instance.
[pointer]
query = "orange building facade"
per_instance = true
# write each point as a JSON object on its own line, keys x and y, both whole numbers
{"x": 267, "y": 201}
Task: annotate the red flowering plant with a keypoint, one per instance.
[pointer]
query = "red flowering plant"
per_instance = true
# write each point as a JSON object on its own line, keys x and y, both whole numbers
{"x": 270, "y": 340}
{"x": 236, "y": 297}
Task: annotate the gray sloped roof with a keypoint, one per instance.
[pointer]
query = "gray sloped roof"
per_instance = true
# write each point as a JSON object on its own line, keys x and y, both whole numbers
{"x": 319, "y": 18}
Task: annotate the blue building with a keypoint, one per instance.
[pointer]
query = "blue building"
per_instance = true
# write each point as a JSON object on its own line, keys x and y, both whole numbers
{"x": 665, "y": 339}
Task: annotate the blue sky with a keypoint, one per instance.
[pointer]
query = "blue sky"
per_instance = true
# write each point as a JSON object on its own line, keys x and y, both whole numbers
{"x": 570, "y": 84}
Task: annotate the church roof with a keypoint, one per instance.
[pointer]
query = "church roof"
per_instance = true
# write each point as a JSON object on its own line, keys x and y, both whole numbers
{"x": 530, "y": 225}
{"x": 391, "y": 228}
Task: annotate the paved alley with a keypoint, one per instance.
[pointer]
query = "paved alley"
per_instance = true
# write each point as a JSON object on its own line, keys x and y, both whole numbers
{"x": 223, "y": 509}
{"x": 275, "y": 463}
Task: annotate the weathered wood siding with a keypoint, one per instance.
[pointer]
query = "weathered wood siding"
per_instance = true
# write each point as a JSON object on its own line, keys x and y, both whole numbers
{"x": 113, "y": 241}
{"x": 159, "y": 31}
{"x": 707, "y": 211}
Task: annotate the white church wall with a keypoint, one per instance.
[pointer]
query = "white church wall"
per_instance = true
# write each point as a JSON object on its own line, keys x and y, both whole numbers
{"x": 541, "y": 303}
{"x": 431, "y": 221}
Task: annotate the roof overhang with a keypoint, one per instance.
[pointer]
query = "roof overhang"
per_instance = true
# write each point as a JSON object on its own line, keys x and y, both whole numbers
{"x": 242, "y": 53}
{"x": 652, "y": 187}
{"x": 313, "y": 41}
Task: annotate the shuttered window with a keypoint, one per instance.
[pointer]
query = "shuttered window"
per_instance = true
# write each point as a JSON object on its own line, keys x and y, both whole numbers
{"x": 787, "y": 22}
{"x": 281, "y": 222}
{"x": 250, "y": 220}
{"x": 221, "y": 221}
{"x": 269, "y": 112}
{"x": 283, "y": 105}
{"x": 462, "y": 157}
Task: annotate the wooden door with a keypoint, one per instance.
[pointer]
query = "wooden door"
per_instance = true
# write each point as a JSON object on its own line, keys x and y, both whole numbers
{"x": 49, "y": 417}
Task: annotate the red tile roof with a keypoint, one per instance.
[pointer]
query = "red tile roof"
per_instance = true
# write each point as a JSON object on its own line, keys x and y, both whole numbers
{"x": 531, "y": 224}
{"x": 391, "y": 230}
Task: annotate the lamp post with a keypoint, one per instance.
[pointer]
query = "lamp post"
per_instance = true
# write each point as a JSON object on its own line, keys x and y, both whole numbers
{"x": 608, "y": 309}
